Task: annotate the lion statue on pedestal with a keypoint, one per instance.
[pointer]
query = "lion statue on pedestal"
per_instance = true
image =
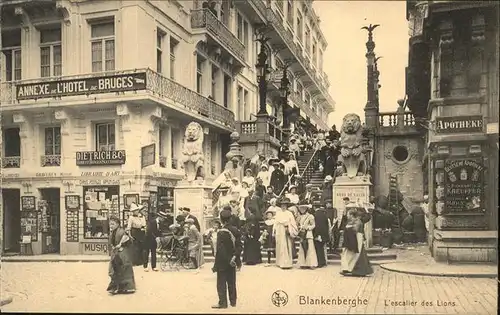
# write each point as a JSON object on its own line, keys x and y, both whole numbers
{"x": 351, "y": 148}
{"x": 193, "y": 157}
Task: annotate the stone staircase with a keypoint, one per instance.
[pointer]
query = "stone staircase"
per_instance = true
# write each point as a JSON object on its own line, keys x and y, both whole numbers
{"x": 375, "y": 255}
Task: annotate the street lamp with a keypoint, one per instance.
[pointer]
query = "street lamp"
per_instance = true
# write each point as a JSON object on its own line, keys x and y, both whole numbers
{"x": 263, "y": 71}
{"x": 284, "y": 92}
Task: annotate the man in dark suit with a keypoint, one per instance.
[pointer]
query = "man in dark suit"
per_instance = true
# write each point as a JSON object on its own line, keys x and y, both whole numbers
{"x": 253, "y": 202}
{"x": 307, "y": 197}
{"x": 153, "y": 232}
{"x": 225, "y": 261}
{"x": 278, "y": 178}
{"x": 187, "y": 215}
{"x": 234, "y": 225}
{"x": 320, "y": 234}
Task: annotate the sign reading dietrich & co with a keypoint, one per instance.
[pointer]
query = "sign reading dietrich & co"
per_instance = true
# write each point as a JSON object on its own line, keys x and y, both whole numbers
{"x": 88, "y": 158}
{"x": 92, "y": 85}
{"x": 459, "y": 124}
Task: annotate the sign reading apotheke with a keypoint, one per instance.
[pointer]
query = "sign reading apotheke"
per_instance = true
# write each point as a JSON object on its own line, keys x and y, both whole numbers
{"x": 93, "y": 85}
{"x": 459, "y": 124}
{"x": 88, "y": 158}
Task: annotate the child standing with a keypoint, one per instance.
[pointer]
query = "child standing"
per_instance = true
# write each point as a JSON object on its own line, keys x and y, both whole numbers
{"x": 267, "y": 237}
{"x": 211, "y": 235}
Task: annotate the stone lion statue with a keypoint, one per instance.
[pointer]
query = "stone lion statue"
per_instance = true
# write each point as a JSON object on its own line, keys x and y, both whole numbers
{"x": 351, "y": 149}
{"x": 192, "y": 152}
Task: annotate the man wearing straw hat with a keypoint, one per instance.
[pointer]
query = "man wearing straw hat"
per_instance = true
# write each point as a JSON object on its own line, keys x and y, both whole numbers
{"x": 153, "y": 233}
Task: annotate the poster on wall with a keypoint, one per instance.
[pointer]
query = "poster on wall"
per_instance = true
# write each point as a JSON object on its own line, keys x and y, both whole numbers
{"x": 28, "y": 203}
{"x": 165, "y": 199}
{"x": 43, "y": 207}
{"x": 99, "y": 203}
{"x": 464, "y": 185}
{"x": 71, "y": 226}
{"x": 72, "y": 202}
{"x": 29, "y": 224}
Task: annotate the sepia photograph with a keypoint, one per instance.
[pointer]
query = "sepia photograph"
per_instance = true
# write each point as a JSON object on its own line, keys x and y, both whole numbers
{"x": 249, "y": 156}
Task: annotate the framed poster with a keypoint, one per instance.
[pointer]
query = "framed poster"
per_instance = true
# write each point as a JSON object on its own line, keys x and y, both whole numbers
{"x": 72, "y": 202}
{"x": 72, "y": 226}
{"x": 28, "y": 203}
{"x": 464, "y": 185}
{"x": 128, "y": 199}
{"x": 29, "y": 225}
{"x": 165, "y": 200}
{"x": 99, "y": 203}
{"x": 148, "y": 155}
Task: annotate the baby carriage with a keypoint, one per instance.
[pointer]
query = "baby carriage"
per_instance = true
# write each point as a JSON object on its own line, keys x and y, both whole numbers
{"x": 174, "y": 251}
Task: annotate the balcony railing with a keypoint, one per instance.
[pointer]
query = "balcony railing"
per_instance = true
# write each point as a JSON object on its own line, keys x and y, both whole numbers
{"x": 395, "y": 119}
{"x": 204, "y": 19}
{"x": 250, "y": 127}
{"x": 11, "y": 162}
{"x": 50, "y": 160}
{"x": 159, "y": 85}
{"x": 294, "y": 48}
{"x": 260, "y": 5}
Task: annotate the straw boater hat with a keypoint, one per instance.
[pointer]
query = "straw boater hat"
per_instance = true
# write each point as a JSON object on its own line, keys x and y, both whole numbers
{"x": 248, "y": 170}
{"x": 235, "y": 179}
{"x": 134, "y": 207}
{"x": 309, "y": 185}
{"x": 284, "y": 201}
{"x": 328, "y": 178}
{"x": 292, "y": 187}
{"x": 264, "y": 166}
{"x": 304, "y": 207}
{"x": 270, "y": 211}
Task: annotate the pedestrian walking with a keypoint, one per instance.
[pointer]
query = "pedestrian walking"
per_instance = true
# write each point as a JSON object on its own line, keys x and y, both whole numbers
{"x": 354, "y": 260}
{"x": 120, "y": 268}
{"x": 225, "y": 263}
{"x": 136, "y": 228}
{"x": 153, "y": 232}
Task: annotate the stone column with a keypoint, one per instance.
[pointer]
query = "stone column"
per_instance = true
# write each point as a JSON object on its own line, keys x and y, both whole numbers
{"x": 67, "y": 152}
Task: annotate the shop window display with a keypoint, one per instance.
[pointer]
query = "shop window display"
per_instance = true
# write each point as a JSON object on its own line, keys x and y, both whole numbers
{"x": 100, "y": 202}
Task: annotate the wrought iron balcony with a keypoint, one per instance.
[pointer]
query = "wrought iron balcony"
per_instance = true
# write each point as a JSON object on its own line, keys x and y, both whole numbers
{"x": 176, "y": 95}
{"x": 50, "y": 160}
{"x": 295, "y": 98}
{"x": 11, "y": 162}
{"x": 205, "y": 21}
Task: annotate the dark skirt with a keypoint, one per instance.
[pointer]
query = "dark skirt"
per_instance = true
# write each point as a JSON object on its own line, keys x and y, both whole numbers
{"x": 121, "y": 272}
{"x": 252, "y": 254}
{"x": 137, "y": 246}
{"x": 363, "y": 266}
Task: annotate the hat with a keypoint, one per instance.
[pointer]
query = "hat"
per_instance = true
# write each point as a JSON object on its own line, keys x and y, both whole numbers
{"x": 135, "y": 207}
{"x": 162, "y": 214}
{"x": 316, "y": 203}
{"x": 292, "y": 187}
{"x": 273, "y": 200}
{"x": 345, "y": 199}
{"x": 223, "y": 186}
{"x": 189, "y": 220}
{"x": 173, "y": 226}
{"x": 309, "y": 185}
{"x": 284, "y": 201}
{"x": 293, "y": 139}
{"x": 352, "y": 205}
{"x": 305, "y": 207}
{"x": 248, "y": 170}
{"x": 235, "y": 179}
{"x": 276, "y": 163}
{"x": 225, "y": 214}
{"x": 264, "y": 166}
{"x": 186, "y": 209}
{"x": 328, "y": 178}
{"x": 180, "y": 218}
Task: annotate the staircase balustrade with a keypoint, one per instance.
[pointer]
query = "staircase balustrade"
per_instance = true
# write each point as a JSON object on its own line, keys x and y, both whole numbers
{"x": 306, "y": 174}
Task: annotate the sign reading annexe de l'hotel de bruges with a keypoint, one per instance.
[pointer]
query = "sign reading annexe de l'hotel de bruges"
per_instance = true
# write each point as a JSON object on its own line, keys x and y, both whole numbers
{"x": 83, "y": 86}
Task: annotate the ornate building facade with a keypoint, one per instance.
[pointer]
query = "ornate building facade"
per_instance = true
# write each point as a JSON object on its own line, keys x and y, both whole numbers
{"x": 452, "y": 89}
{"x": 95, "y": 97}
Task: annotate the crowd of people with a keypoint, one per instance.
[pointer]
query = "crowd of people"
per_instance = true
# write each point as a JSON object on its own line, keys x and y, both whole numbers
{"x": 268, "y": 211}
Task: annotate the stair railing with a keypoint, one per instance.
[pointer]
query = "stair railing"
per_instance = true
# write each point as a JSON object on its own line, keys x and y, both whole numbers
{"x": 311, "y": 166}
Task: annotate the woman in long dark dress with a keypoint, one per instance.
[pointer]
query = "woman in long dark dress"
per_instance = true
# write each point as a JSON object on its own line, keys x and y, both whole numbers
{"x": 121, "y": 271}
{"x": 136, "y": 227}
{"x": 252, "y": 254}
{"x": 354, "y": 260}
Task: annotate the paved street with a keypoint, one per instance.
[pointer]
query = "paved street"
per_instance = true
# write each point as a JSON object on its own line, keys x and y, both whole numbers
{"x": 65, "y": 287}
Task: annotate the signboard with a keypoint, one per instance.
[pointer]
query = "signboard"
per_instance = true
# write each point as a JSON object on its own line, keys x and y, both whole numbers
{"x": 95, "y": 248}
{"x": 148, "y": 154}
{"x": 84, "y": 86}
{"x": 464, "y": 185}
{"x": 89, "y": 158}
{"x": 459, "y": 124}
{"x": 358, "y": 194}
{"x": 28, "y": 203}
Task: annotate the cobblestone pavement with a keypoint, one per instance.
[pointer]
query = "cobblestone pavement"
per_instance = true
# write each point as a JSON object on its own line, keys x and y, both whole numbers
{"x": 66, "y": 287}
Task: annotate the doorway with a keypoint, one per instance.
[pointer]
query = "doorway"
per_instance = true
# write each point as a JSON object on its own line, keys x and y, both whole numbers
{"x": 11, "y": 220}
{"x": 50, "y": 208}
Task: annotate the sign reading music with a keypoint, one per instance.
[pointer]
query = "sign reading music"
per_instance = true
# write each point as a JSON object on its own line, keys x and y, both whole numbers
{"x": 87, "y": 158}
{"x": 93, "y": 85}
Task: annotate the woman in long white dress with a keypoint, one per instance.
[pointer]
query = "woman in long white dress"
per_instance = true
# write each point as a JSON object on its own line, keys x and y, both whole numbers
{"x": 265, "y": 175}
{"x": 284, "y": 230}
{"x": 307, "y": 252}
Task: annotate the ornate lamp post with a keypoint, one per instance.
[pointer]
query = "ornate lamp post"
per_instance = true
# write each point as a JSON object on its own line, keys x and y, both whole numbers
{"x": 284, "y": 93}
{"x": 263, "y": 71}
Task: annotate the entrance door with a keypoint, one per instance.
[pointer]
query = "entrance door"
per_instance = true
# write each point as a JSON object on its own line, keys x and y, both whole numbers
{"x": 51, "y": 220}
{"x": 11, "y": 220}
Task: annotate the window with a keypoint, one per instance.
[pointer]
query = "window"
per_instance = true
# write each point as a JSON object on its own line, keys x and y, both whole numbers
{"x": 103, "y": 47}
{"x": 289, "y": 14}
{"x": 227, "y": 90}
{"x": 307, "y": 99}
{"x": 100, "y": 202}
{"x": 241, "y": 109}
{"x": 11, "y": 49}
{"x": 400, "y": 154}
{"x": 50, "y": 52}
{"x": 53, "y": 141}
{"x": 213, "y": 90}
{"x": 314, "y": 52}
{"x": 308, "y": 40}
{"x": 213, "y": 157}
{"x": 12, "y": 142}
{"x": 105, "y": 136}
{"x": 320, "y": 53}
{"x": 199, "y": 74}
{"x": 300, "y": 27}
{"x": 224, "y": 13}
{"x": 300, "y": 91}
{"x": 160, "y": 36}
{"x": 239, "y": 27}
{"x": 173, "y": 48}
{"x": 246, "y": 104}
{"x": 242, "y": 33}
{"x": 162, "y": 140}
{"x": 174, "y": 145}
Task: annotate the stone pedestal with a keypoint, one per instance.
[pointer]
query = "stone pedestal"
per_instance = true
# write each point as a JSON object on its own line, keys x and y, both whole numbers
{"x": 357, "y": 189}
{"x": 197, "y": 197}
